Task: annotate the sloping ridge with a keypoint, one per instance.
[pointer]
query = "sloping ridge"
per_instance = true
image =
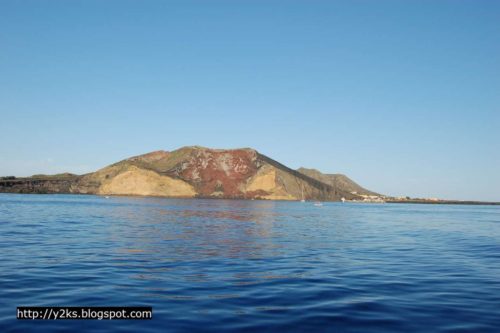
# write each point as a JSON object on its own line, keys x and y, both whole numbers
{"x": 331, "y": 193}
{"x": 339, "y": 181}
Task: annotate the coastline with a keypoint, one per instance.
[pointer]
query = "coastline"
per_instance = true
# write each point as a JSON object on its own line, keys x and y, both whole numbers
{"x": 410, "y": 201}
{"x": 444, "y": 202}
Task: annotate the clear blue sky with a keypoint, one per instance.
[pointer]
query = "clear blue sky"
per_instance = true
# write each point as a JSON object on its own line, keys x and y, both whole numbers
{"x": 402, "y": 96}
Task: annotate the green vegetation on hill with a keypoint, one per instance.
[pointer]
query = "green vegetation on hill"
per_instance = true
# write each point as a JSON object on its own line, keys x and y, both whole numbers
{"x": 65, "y": 175}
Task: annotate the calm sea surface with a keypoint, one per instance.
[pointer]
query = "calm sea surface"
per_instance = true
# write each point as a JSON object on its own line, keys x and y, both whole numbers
{"x": 252, "y": 266}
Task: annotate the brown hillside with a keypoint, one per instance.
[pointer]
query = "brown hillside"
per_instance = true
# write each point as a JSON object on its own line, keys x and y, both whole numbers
{"x": 195, "y": 172}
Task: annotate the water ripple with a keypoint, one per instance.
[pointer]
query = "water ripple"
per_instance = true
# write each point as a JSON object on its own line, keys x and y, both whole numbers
{"x": 251, "y": 266}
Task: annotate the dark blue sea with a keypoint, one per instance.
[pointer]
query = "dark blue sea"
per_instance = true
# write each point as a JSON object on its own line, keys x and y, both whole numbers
{"x": 250, "y": 266}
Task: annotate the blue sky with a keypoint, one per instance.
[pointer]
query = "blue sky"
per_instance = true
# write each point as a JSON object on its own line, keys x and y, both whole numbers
{"x": 402, "y": 96}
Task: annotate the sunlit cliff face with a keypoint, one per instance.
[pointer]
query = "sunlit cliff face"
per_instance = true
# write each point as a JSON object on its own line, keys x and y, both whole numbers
{"x": 202, "y": 172}
{"x": 197, "y": 172}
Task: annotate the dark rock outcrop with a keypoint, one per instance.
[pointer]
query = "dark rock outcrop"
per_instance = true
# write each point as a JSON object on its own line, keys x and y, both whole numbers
{"x": 38, "y": 184}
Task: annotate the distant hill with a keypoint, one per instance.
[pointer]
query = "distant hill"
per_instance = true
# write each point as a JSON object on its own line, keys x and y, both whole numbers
{"x": 197, "y": 172}
{"x": 338, "y": 181}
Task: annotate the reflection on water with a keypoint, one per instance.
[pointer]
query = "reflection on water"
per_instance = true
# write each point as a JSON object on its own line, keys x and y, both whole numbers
{"x": 228, "y": 265}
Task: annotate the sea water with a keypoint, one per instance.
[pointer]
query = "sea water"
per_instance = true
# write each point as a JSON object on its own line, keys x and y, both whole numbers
{"x": 250, "y": 266}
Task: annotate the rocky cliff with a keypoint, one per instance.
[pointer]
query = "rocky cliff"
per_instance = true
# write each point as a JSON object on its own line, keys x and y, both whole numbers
{"x": 38, "y": 184}
{"x": 191, "y": 172}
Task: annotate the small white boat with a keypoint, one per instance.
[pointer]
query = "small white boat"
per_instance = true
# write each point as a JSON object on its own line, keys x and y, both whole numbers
{"x": 318, "y": 204}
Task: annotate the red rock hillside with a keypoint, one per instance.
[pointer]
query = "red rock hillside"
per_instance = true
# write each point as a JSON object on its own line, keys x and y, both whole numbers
{"x": 198, "y": 172}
